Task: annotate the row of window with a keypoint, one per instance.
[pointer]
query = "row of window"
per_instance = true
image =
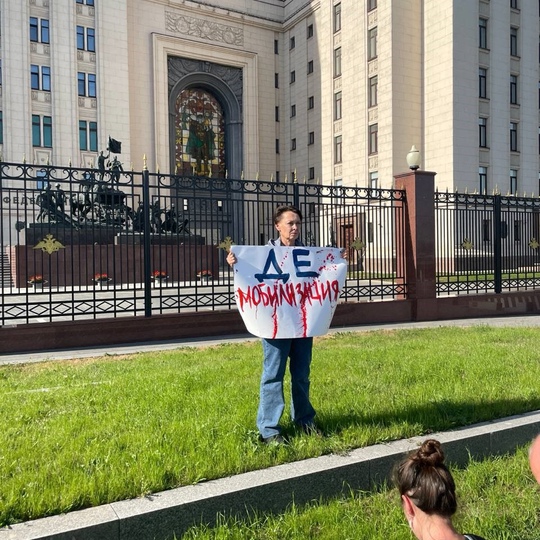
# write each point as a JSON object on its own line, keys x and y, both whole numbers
{"x": 40, "y": 79}
{"x": 483, "y": 41}
{"x": 39, "y": 33}
{"x": 483, "y": 134}
{"x": 483, "y": 175}
{"x": 42, "y": 133}
{"x": 371, "y": 5}
{"x": 483, "y": 86}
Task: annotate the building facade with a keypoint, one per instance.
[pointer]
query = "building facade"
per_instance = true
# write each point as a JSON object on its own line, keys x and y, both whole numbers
{"x": 325, "y": 91}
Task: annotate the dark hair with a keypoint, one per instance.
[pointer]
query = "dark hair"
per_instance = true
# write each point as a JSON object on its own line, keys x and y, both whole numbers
{"x": 425, "y": 479}
{"x": 280, "y": 210}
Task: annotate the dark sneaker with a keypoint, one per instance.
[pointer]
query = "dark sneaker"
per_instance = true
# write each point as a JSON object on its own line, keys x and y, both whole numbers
{"x": 273, "y": 439}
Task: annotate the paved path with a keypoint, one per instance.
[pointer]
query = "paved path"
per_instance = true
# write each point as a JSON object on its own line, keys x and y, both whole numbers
{"x": 88, "y": 352}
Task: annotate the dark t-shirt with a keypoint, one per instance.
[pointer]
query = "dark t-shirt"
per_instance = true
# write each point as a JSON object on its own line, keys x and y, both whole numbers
{"x": 473, "y": 537}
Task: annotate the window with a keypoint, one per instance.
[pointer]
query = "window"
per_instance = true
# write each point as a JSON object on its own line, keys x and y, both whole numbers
{"x": 482, "y": 82}
{"x": 310, "y": 67}
{"x": 482, "y": 133}
{"x": 88, "y": 136}
{"x": 337, "y": 17}
{"x": 86, "y": 84}
{"x": 41, "y": 131}
{"x": 513, "y": 182}
{"x": 276, "y": 80}
{"x": 87, "y": 2}
{"x": 337, "y": 106}
{"x": 482, "y": 37}
{"x": 293, "y": 76}
{"x": 517, "y": 230}
{"x": 513, "y": 89}
{"x": 293, "y": 144}
{"x": 371, "y": 5}
{"x": 277, "y": 146}
{"x": 39, "y": 30}
{"x": 372, "y": 95}
{"x": 374, "y": 180}
{"x": 1, "y": 127}
{"x": 311, "y": 138}
{"x": 292, "y": 43}
{"x": 373, "y": 138}
{"x": 86, "y": 39}
{"x": 312, "y": 173}
{"x": 372, "y": 43}
{"x": 277, "y": 113}
{"x": 1, "y": 72}
{"x": 514, "y": 4}
{"x": 293, "y": 110}
{"x": 311, "y": 102}
{"x": 513, "y": 137}
{"x": 276, "y": 46}
{"x": 486, "y": 230}
{"x": 482, "y": 180}
{"x": 513, "y": 41}
{"x": 41, "y": 179}
{"x": 40, "y": 78}
{"x": 337, "y": 62}
{"x": 310, "y": 31}
{"x": 337, "y": 149}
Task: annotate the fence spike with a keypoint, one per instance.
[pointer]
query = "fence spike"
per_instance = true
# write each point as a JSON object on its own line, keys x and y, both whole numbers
{"x": 272, "y": 177}
{"x": 145, "y": 168}
{"x": 242, "y": 175}
{"x": 257, "y": 176}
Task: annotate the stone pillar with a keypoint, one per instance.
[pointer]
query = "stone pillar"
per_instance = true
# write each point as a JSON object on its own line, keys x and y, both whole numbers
{"x": 419, "y": 249}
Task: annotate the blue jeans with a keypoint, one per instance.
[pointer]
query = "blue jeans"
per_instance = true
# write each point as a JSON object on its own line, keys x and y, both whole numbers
{"x": 272, "y": 402}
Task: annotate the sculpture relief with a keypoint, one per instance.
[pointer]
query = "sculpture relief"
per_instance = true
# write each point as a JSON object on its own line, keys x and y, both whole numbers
{"x": 203, "y": 29}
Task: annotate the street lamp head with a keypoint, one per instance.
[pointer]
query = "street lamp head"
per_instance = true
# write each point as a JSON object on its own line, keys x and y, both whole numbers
{"x": 413, "y": 158}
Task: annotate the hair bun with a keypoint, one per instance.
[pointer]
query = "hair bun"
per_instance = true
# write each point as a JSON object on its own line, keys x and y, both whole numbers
{"x": 431, "y": 453}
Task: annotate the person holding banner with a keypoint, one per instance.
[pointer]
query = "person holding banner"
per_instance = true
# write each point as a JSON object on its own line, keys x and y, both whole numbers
{"x": 287, "y": 222}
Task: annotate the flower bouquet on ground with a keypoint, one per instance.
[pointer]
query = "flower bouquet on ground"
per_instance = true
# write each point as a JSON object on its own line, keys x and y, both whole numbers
{"x": 159, "y": 277}
{"x": 101, "y": 278}
{"x": 36, "y": 280}
{"x": 204, "y": 274}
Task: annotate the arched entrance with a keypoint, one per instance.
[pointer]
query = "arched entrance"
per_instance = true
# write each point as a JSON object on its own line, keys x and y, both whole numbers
{"x": 205, "y": 113}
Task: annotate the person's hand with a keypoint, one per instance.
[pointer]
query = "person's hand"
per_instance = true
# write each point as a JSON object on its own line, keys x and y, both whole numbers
{"x": 231, "y": 258}
{"x": 344, "y": 253}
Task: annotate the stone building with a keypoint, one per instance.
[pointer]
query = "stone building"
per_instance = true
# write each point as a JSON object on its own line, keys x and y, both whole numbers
{"x": 327, "y": 91}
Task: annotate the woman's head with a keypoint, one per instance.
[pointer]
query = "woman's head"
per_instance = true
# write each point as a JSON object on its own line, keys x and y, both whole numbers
{"x": 287, "y": 221}
{"x": 425, "y": 480}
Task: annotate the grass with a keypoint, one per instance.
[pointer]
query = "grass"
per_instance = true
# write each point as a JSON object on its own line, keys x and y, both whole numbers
{"x": 498, "y": 499}
{"x": 87, "y": 432}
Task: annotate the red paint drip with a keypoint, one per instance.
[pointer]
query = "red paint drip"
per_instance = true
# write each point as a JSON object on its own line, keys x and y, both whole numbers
{"x": 275, "y": 321}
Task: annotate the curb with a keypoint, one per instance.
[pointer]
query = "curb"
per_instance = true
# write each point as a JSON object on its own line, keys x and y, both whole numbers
{"x": 159, "y": 516}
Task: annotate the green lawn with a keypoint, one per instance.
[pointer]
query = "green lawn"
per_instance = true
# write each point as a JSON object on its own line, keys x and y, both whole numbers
{"x": 86, "y": 432}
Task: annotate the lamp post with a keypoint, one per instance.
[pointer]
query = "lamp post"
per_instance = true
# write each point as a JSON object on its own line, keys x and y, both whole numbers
{"x": 413, "y": 158}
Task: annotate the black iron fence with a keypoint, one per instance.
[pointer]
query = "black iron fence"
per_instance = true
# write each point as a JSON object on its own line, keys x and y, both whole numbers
{"x": 486, "y": 243}
{"x": 80, "y": 243}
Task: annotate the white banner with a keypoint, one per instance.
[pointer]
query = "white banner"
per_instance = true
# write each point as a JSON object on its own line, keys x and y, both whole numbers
{"x": 287, "y": 292}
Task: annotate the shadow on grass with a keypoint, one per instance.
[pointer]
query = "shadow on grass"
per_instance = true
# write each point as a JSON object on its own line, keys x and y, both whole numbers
{"x": 420, "y": 420}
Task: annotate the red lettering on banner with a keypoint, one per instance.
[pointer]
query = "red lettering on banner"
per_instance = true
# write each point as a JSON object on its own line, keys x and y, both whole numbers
{"x": 294, "y": 295}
